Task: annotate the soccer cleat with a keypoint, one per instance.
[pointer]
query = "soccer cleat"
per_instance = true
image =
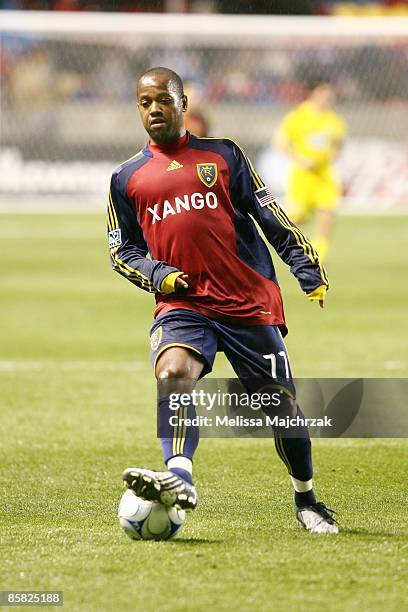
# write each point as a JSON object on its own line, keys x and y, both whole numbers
{"x": 317, "y": 518}
{"x": 161, "y": 487}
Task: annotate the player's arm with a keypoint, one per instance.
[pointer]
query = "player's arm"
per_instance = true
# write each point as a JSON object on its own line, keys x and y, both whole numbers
{"x": 128, "y": 248}
{"x": 292, "y": 247}
{"x": 338, "y": 144}
{"x": 289, "y": 242}
{"x": 338, "y": 137}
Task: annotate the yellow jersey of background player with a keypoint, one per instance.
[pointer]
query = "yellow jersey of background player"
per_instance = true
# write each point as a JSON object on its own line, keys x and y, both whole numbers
{"x": 312, "y": 135}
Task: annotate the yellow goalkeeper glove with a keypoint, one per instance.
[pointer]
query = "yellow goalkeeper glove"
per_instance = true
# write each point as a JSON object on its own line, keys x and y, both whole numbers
{"x": 169, "y": 282}
{"x": 318, "y": 294}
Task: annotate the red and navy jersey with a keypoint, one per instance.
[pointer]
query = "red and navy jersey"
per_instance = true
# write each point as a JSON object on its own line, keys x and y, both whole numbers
{"x": 190, "y": 207}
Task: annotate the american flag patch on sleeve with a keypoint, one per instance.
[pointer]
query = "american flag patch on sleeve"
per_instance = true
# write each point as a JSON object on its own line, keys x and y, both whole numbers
{"x": 264, "y": 196}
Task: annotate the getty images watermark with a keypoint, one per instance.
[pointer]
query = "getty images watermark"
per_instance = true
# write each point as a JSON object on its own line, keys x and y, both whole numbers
{"x": 212, "y": 401}
{"x": 356, "y": 408}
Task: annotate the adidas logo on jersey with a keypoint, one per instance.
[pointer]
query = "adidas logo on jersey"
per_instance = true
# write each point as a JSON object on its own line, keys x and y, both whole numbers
{"x": 174, "y": 166}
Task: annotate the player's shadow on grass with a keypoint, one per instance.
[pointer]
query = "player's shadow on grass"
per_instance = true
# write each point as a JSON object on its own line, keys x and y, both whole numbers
{"x": 373, "y": 533}
{"x": 195, "y": 541}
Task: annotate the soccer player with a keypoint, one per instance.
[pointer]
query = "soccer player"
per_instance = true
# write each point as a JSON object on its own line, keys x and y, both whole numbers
{"x": 180, "y": 225}
{"x": 312, "y": 135}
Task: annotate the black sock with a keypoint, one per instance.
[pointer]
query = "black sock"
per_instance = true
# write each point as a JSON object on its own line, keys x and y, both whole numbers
{"x": 305, "y": 499}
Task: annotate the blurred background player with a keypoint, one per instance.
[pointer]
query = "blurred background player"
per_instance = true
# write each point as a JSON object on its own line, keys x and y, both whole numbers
{"x": 196, "y": 122}
{"x": 312, "y": 135}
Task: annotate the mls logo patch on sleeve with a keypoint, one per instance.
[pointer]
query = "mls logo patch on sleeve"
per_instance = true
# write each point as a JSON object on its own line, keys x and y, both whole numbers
{"x": 264, "y": 196}
{"x": 115, "y": 238}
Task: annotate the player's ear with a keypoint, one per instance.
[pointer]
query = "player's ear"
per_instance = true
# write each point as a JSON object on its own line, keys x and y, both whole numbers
{"x": 184, "y": 102}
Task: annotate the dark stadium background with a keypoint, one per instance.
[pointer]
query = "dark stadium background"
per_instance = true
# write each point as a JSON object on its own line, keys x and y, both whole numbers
{"x": 263, "y": 7}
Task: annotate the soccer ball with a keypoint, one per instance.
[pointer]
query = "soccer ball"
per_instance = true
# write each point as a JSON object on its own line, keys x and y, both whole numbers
{"x": 145, "y": 520}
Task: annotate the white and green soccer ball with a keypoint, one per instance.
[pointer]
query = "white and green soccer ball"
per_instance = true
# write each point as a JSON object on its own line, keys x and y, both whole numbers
{"x": 145, "y": 520}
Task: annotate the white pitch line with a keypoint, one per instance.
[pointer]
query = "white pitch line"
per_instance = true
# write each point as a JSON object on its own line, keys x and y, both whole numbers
{"x": 388, "y": 365}
{"x": 131, "y": 366}
{"x": 95, "y": 366}
{"x": 51, "y": 210}
{"x": 395, "y": 365}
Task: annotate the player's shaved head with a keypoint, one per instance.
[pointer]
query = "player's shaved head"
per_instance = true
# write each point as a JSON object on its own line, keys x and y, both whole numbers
{"x": 163, "y": 74}
{"x": 161, "y": 102}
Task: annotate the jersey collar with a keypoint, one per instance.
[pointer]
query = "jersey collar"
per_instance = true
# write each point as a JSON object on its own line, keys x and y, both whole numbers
{"x": 169, "y": 148}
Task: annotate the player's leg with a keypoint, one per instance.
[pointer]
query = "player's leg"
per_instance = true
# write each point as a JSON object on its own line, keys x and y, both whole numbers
{"x": 259, "y": 353}
{"x": 298, "y": 196}
{"x": 324, "y": 228}
{"x": 259, "y": 356}
{"x": 327, "y": 196}
{"x": 177, "y": 372}
{"x": 183, "y": 348}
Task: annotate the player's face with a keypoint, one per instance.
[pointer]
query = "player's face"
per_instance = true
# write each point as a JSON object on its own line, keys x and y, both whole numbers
{"x": 324, "y": 96}
{"x": 161, "y": 109}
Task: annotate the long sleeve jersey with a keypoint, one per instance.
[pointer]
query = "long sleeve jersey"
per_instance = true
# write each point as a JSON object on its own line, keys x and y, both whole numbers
{"x": 190, "y": 207}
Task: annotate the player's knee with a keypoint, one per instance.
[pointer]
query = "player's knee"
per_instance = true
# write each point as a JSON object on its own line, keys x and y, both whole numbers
{"x": 287, "y": 407}
{"x": 172, "y": 371}
{"x": 174, "y": 377}
{"x": 177, "y": 364}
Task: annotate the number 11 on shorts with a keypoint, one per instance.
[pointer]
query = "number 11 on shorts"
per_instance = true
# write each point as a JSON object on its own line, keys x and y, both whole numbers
{"x": 272, "y": 358}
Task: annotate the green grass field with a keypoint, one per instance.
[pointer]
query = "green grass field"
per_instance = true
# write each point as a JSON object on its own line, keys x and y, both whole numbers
{"x": 77, "y": 398}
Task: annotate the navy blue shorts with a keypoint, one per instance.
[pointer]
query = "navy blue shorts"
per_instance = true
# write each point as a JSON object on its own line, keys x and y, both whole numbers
{"x": 256, "y": 352}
